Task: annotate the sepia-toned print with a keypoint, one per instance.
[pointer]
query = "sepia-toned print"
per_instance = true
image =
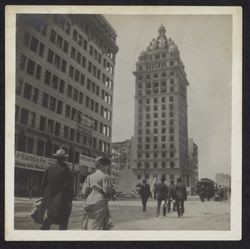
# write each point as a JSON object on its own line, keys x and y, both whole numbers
{"x": 125, "y": 120}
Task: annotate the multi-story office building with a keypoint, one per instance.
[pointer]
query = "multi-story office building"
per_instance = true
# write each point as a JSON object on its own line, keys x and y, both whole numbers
{"x": 193, "y": 165}
{"x": 64, "y": 91}
{"x": 161, "y": 125}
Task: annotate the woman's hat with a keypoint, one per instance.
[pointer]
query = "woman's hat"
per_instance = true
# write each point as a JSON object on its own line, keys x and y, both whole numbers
{"x": 60, "y": 153}
{"x": 103, "y": 161}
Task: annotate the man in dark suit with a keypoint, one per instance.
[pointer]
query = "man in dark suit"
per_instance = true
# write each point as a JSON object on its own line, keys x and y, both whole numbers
{"x": 180, "y": 196}
{"x": 58, "y": 181}
{"x": 145, "y": 193}
{"x": 161, "y": 192}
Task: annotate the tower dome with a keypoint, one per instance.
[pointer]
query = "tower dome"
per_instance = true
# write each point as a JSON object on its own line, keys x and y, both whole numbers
{"x": 162, "y": 31}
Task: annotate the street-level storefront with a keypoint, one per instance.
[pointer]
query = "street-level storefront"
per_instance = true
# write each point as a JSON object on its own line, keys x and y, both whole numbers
{"x": 29, "y": 172}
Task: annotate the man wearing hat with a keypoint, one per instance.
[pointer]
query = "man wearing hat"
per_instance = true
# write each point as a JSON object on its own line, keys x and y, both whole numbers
{"x": 58, "y": 181}
{"x": 180, "y": 196}
{"x": 161, "y": 192}
{"x": 145, "y": 193}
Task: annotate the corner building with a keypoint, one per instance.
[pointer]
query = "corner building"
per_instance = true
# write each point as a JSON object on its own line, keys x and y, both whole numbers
{"x": 161, "y": 125}
{"x": 64, "y": 93}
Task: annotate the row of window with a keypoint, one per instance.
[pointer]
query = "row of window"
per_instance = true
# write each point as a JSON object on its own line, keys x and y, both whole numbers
{"x": 142, "y": 146}
{"x": 93, "y": 52}
{"x": 38, "y": 47}
{"x": 27, "y": 91}
{"x": 155, "y": 154}
{"x": 57, "y": 61}
{"x": 154, "y": 123}
{"x": 94, "y": 35}
{"x": 147, "y": 66}
{"x": 30, "y": 67}
{"x": 55, "y": 105}
{"x": 29, "y": 118}
{"x": 155, "y": 108}
{"x": 32, "y": 93}
{"x": 155, "y": 100}
{"x": 148, "y": 139}
{"x": 59, "y": 41}
{"x": 155, "y": 75}
{"x": 155, "y": 164}
{"x": 78, "y": 57}
{"x": 154, "y": 57}
{"x": 155, "y": 116}
{"x": 154, "y": 91}
{"x": 155, "y": 84}
{"x": 34, "y": 69}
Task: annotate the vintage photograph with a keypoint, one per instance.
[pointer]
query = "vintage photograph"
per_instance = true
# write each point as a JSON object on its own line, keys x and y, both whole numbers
{"x": 125, "y": 121}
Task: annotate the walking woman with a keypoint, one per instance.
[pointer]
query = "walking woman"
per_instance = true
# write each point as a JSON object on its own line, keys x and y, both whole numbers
{"x": 96, "y": 190}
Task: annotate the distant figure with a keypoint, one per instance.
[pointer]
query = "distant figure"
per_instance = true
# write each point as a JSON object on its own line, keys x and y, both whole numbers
{"x": 202, "y": 193}
{"x": 153, "y": 186}
{"x": 180, "y": 196}
{"x": 171, "y": 196}
{"x": 58, "y": 181}
{"x": 207, "y": 193}
{"x": 97, "y": 190}
{"x": 161, "y": 192}
{"x": 145, "y": 193}
{"x": 221, "y": 193}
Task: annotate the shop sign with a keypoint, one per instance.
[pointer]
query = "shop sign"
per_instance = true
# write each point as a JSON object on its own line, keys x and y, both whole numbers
{"x": 31, "y": 161}
{"x": 34, "y": 162}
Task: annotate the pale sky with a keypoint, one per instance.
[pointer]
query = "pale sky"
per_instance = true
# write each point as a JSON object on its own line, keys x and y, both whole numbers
{"x": 205, "y": 44}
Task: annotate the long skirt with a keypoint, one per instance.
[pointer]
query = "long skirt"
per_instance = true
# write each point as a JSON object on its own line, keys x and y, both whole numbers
{"x": 95, "y": 216}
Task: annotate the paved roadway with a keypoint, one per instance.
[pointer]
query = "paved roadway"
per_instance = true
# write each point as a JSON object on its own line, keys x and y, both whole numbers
{"x": 127, "y": 215}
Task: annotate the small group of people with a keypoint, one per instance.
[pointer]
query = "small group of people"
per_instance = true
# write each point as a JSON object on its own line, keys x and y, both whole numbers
{"x": 174, "y": 193}
{"x": 222, "y": 193}
{"x": 57, "y": 189}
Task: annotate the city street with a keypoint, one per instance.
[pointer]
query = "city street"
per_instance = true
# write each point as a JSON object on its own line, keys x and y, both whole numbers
{"x": 127, "y": 215}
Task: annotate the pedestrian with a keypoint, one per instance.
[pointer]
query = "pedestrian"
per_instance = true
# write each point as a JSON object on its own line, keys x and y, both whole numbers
{"x": 153, "y": 187}
{"x": 97, "y": 190}
{"x": 145, "y": 193}
{"x": 221, "y": 193}
{"x": 58, "y": 182}
{"x": 161, "y": 192}
{"x": 180, "y": 196}
{"x": 202, "y": 193}
{"x": 171, "y": 196}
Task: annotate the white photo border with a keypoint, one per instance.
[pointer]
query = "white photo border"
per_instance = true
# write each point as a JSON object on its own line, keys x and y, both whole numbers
{"x": 234, "y": 233}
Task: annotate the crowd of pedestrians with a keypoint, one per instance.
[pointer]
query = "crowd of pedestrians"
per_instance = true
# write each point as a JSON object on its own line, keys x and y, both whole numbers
{"x": 57, "y": 189}
{"x": 174, "y": 194}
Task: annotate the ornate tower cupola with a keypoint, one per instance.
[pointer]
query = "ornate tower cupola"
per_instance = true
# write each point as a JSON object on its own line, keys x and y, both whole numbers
{"x": 162, "y": 31}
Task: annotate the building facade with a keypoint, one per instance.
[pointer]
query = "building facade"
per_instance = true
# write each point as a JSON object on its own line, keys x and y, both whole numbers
{"x": 64, "y": 92}
{"x": 161, "y": 125}
{"x": 193, "y": 165}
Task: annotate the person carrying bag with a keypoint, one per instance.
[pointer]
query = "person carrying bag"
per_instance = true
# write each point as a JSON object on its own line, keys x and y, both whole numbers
{"x": 59, "y": 181}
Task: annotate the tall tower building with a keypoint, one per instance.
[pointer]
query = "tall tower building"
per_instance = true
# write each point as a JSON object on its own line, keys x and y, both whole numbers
{"x": 161, "y": 125}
